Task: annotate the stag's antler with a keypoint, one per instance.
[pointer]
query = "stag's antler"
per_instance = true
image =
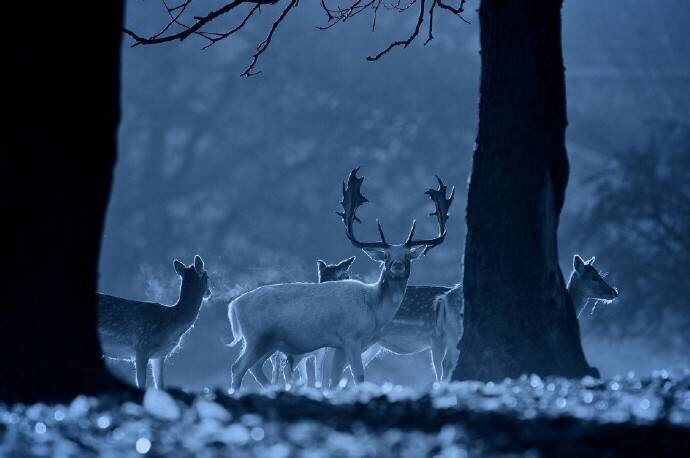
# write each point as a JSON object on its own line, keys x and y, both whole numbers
{"x": 352, "y": 199}
{"x": 442, "y": 205}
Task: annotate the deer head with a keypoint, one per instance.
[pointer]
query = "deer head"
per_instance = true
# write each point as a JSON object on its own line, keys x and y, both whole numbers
{"x": 590, "y": 282}
{"x": 194, "y": 278}
{"x": 334, "y": 272}
{"x": 396, "y": 259}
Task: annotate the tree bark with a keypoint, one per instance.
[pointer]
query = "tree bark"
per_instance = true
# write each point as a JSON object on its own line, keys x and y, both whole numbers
{"x": 61, "y": 107}
{"x": 518, "y": 316}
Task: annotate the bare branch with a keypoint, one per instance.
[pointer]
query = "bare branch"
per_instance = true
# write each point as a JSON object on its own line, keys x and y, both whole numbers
{"x": 179, "y": 29}
{"x": 376, "y": 12}
{"x": 173, "y": 18}
{"x": 249, "y": 71}
{"x": 200, "y": 22}
{"x": 403, "y": 43}
{"x": 219, "y": 36}
{"x": 431, "y": 22}
{"x": 457, "y": 11}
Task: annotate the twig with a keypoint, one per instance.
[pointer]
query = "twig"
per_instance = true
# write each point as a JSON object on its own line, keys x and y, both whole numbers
{"x": 403, "y": 43}
{"x": 249, "y": 71}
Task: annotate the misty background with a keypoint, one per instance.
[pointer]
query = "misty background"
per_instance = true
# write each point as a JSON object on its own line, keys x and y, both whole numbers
{"x": 247, "y": 172}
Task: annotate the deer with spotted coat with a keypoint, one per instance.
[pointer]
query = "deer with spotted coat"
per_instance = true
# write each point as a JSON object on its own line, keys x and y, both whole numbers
{"x": 144, "y": 332}
{"x": 347, "y": 315}
{"x": 429, "y": 319}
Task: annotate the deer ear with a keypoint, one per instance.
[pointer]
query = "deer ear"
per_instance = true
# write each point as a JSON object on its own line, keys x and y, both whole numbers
{"x": 416, "y": 252}
{"x": 591, "y": 260}
{"x": 179, "y": 267}
{"x": 376, "y": 254}
{"x": 345, "y": 264}
{"x": 578, "y": 264}
{"x": 198, "y": 264}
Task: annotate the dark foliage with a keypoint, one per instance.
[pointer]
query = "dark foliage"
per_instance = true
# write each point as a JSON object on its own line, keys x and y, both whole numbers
{"x": 640, "y": 218}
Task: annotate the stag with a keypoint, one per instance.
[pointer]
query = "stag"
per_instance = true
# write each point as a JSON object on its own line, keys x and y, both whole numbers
{"x": 298, "y": 318}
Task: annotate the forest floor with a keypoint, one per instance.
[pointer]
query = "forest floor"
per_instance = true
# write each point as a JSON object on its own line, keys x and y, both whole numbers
{"x": 529, "y": 416}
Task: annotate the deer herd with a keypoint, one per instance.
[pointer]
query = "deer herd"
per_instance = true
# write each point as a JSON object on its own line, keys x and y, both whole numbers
{"x": 327, "y": 326}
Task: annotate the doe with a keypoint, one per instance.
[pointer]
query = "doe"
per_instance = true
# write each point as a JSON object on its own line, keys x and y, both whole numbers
{"x": 147, "y": 331}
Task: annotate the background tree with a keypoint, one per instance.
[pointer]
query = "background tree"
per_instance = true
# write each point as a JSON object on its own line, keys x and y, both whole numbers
{"x": 518, "y": 316}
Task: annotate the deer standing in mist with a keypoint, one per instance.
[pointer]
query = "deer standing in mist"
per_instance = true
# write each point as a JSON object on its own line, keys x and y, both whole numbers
{"x": 586, "y": 283}
{"x": 430, "y": 318}
{"x": 285, "y": 366}
{"x": 147, "y": 331}
{"x": 347, "y": 315}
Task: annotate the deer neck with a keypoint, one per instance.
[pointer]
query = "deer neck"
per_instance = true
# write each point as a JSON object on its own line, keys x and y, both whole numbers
{"x": 188, "y": 305}
{"x": 577, "y": 294}
{"x": 390, "y": 293}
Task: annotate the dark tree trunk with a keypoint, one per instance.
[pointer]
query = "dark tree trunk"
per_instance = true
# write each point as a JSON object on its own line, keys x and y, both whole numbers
{"x": 518, "y": 316}
{"x": 61, "y": 110}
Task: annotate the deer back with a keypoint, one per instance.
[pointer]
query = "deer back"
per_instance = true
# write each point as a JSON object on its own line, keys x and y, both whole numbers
{"x": 125, "y": 325}
{"x": 306, "y": 316}
{"x": 418, "y": 304}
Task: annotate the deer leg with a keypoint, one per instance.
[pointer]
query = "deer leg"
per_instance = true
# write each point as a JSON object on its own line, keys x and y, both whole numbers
{"x": 310, "y": 369}
{"x": 353, "y": 352}
{"x": 141, "y": 363}
{"x": 157, "y": 369}
{"x": 337, "y": 367}
{"x": 257, "y": 370}
{"x": 447, "y": 366}
{"x": 327, "y": 367}
{"x": 289, "y": 369}
{"x": 371, "y": 353}
{"x": 249, "y": 356}
{"x": 319, "y": 356}
{"x": 275, "y": 368}
{"x": 303, "y": 371}
{"x": 450, "y": 360}
{"x": 278, "y": 361}
{"x": 438, "y": 352}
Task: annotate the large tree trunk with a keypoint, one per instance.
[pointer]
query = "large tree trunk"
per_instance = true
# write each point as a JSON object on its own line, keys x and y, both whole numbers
{"x": 61, "y": 106}
{"x": 518, "y": 316}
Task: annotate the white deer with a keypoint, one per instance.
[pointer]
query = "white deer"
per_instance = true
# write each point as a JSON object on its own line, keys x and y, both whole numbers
{"x": 586, "y": 283}
{"x": 147, "y": 331}
{"x": 285, "y": 366}
{"x": 297, "y": 318}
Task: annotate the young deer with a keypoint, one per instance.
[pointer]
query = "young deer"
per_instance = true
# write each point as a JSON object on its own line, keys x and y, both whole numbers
{"x": 147, "y": 331}
{"x": 586, "y": 283}
{"x": 326, "y": 272}
{"x": 429, "y": 319}
{"x": 297, "y": 318}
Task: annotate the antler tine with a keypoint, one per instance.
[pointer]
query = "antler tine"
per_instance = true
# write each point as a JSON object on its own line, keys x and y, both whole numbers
{"x": 442, "y": 204}
{"x": 411, "y": 234}
{"x": 383, "y": 237}
{"x": 353, "y": 199}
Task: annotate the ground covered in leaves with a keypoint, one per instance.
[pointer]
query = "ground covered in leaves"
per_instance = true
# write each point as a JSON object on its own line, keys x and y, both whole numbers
{"x": 530, "y": 416}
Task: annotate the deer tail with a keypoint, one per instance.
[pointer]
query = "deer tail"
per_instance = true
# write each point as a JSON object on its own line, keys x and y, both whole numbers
{"x": 440, "y": 304}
